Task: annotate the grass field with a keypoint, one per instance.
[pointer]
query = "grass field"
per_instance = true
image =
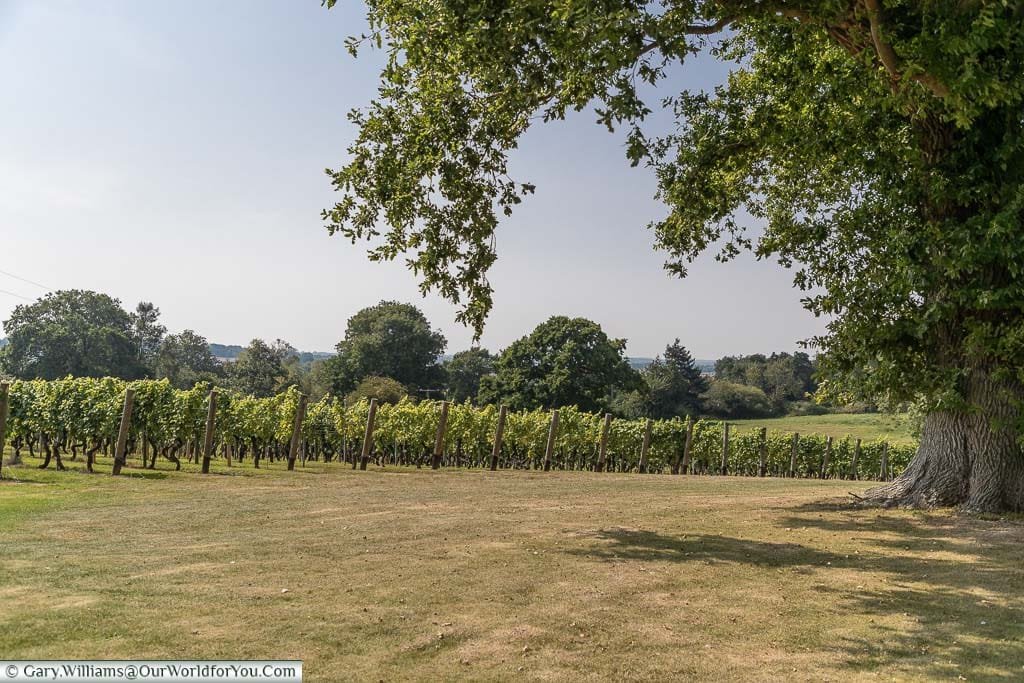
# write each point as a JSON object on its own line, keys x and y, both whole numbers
{"x": 867, "y": 426}
{"x": 420, "y": 575}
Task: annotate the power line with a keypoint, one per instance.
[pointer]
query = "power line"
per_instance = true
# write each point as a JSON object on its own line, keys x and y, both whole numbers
{"x": 4, "y": 291}
{"x": 25, "y": 279}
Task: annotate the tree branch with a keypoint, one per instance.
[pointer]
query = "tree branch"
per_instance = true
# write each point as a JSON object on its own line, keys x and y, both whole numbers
{"x": 695, "y": 30}
{"x": 708, "y": 29}
{"x": 887, "y": 54}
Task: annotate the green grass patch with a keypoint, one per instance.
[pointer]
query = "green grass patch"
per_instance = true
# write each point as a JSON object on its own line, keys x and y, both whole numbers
{"x": 895, "y": 429}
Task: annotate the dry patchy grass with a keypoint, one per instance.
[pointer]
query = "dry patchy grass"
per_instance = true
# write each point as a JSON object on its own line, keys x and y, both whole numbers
{"x": 420, "y": 575}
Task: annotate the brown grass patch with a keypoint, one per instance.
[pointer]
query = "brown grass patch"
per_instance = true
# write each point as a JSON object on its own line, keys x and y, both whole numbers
{"x": 469, "y": 575}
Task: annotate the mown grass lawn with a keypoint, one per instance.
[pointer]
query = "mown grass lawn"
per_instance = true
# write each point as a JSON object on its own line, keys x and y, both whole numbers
{"x": 421, "y": 575}
{"x": 895, "y": 429}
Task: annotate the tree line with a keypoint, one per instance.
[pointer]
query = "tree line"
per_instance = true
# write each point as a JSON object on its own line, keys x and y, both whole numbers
{"x": 390, "y": 351}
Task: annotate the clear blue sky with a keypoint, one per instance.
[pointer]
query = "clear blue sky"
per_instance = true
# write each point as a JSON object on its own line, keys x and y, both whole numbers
{"x": 174, "y": 152}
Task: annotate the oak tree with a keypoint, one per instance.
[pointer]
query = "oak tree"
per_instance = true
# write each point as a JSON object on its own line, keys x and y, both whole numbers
{"x": 71, "y": 332}
{"x": 563, "y": 362}
{"x": 877, "y": 144}
{"x": 390, "y": 339}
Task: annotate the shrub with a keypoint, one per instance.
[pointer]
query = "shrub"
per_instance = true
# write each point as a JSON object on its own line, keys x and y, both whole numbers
{"x": 726, "y": 399}
{"x": 384, "y": 389}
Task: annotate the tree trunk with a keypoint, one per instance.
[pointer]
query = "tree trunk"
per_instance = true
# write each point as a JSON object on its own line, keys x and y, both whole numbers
{"x": 969, "y": 458}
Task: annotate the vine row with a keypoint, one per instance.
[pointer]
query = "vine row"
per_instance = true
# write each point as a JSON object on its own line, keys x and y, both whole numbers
{"x": 77, "y": 416}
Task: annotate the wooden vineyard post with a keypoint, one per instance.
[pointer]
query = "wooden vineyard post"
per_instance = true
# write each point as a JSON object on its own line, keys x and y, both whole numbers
{"x": 687, "y": 446}
{"x": 5, "y": 393}
{"x": 552, "y": 433}
{"x": 793, "y": 453}
{"x": 884, "y": 474}
{"x": 602, "y": 451}
{"x": 762, "y": 453}
{"x": 645, "y": 446}
{"x": 293, "y": 445}
{"x": 122, "y": 432}
{"x": 853, "y": 463}
{"x": 826, "y": 461}
{"x": 725, "y": 447}
{"x": 499, "y": 432}
{"x": 442, "y": 426}
{"x": 344, "y": 437}
{"x": 211, "y": 421}
{"x": 368, "y": 435}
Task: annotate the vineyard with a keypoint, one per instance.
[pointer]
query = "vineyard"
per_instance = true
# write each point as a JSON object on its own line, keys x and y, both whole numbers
{"x": 83, "y": 417}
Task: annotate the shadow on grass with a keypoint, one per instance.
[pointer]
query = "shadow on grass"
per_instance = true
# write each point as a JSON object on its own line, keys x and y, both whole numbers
{"x": 958, "y": 580}
{"x": 647, "y": 546}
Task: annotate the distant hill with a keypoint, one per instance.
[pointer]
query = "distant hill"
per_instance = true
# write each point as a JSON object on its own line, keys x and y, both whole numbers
{"x": 225, "y": 351}
{"x": 229, "y": 352}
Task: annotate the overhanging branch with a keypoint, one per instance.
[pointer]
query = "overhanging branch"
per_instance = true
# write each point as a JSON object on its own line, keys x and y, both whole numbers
{"x": 888, "y": 56}
{"x": 695, "y": 30}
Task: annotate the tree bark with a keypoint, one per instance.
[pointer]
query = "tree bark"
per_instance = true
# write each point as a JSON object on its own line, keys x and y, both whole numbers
{"x": 969, "y": 458}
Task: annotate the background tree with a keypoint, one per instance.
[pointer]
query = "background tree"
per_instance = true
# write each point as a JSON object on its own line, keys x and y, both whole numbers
{"x": 463, "y": 373}
{"x": 730, "y": 400}
{"x": 147, "y": 332}
{"x": 674, "y": 383}
{"x": 71, "y": 332}
{"x": 384, "y": 389}
{"x": 783, "y": 377}
{"x": 879, "y": 143}
{"x": 392, "y": 340}
{"x": 672, "y": 387}
{"x": 185, "y": 359}
{"x": 630, "y": 405}
{"x": 260, "y": 368}
{"x": 310, "y": 376}
{"x": 564, "y": 361}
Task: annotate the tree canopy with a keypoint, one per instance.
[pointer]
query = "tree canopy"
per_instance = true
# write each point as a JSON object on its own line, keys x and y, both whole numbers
{"x": 465, "y": 370}
{"x": 674, "y": 383}
{"x": 728, "y": 399}
{"x": 672, "y": 386}
{"x": 781, "y": 376}
{"x": 185, "y": 359}
{"x": 878, "y": 146}
{"x": 147, "y": 332}
{"x": 384, "y": 389}
{"x": 390, "y": 339}
{"x": 260, "y": 368}
{"x": 564, "y": 361}
{"x": 71, "y": 332}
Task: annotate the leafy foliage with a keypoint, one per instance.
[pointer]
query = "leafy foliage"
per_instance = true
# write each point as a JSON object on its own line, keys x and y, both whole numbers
{"x": 563, "y": 362}
{"x": 185, "y": 359}
{"x": 465, "y": 370}
{"x": 390, "y": 339}
{"x": 147, "y": 332}
{"x": 881, "y": 146}
{"x": 384, "y": 389}
{"x": 71, "y": 332}
{"x": 88, "y": 411}
{"x": 260, "y": 368}
{"x": 674, "y": 384}
{"x": 726, "y": 399}
{"x": 782, "y": 376}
